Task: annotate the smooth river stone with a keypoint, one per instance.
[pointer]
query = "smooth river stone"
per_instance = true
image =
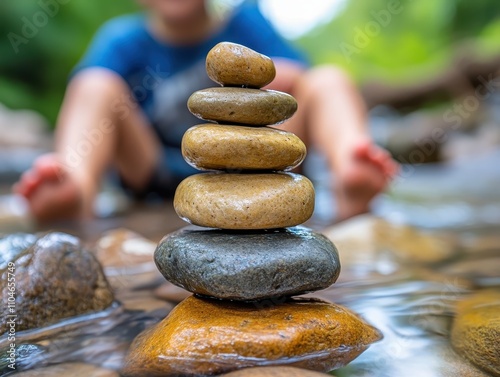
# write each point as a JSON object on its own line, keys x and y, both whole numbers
{"x": 216, "y": 147}
{"x": 253, "y": 107}
{"x": 245, "y": 201}
{"x": 209, "y": 337}
{"x": 55, "y": 278}
{"x": 231, "y": 64}
{"x": 476, "y": 330}
{"x": 239, "y": 265}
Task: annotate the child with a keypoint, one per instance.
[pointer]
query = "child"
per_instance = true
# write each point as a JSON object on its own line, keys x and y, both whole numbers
{"x": 126, "y": 106}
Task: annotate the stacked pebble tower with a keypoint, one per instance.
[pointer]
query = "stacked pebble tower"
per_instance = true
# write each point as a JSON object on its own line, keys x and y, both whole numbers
{"x": 245, "y": 255}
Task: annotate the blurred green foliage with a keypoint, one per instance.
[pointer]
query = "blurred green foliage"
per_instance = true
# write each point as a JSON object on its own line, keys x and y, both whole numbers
{"x": 419, "y": 39}
{"x": 34, "y": 70}
{"x": 404, "y": 40}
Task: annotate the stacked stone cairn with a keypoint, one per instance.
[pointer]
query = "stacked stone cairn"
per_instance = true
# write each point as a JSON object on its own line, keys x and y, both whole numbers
{"x": 246, "y": 256}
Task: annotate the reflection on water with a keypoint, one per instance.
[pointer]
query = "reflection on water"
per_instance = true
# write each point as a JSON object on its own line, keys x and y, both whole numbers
{"x": 100, "y": 339}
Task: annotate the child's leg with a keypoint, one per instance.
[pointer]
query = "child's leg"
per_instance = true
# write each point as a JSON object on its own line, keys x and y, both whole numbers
{"x": 332, "y": 117}
{"x": 99, "y": 125}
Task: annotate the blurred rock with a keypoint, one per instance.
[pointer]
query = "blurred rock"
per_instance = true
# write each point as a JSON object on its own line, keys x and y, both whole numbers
{"x": 127, "y": 258}
{"x": 55, "y": 278}
{"x": 380, "y": 239}
{"x": 476, "y": 330}
{"x": 124, "y": 248}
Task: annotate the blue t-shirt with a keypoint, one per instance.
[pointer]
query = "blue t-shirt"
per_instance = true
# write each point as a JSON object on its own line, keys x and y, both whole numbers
{"x": 162, "y": 76}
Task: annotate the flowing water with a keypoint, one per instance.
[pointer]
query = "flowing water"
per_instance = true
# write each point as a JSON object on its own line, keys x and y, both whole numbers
{"x": 433, "y": 241}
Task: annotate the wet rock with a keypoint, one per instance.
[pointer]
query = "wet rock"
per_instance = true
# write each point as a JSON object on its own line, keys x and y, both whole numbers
{"x": 231, "y": 64}
{"x": 205, "y": 337}
{"x": 55, "y": 278}
{"x": 70, "y": 369}
{"x": 216, "y": 147}
{"x": 245, "y": 201}
{"x": 252, "y": 107}
{"x": 476, "y": 330}
{"x": 387, "y": 243}
{"x": 123, "y": 248}
{"x": 414, "y": 245}
{"x": 274, "y": 372}
{"x": 221, "y": 264}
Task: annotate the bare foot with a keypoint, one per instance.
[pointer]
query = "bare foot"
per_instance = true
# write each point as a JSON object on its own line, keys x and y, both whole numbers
{"x": 52, "y": 193}
{"x": 365, "y": 174}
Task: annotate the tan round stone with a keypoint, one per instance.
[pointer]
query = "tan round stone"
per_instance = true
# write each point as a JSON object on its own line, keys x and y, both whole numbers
{"x": 274, "y": 372}
{"x": 476, "y": 330}
{"x": 209, "y": 337}
{"x": 245, "y": 201}
{"x": 253, "y": 107}
{"x": 231, "y": 64}
{"x": 217, "y": 147}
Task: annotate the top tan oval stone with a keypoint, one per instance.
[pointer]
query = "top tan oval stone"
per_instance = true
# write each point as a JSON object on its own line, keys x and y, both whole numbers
{"x": 209, "y": 337}
{"x": 231, "y": 64}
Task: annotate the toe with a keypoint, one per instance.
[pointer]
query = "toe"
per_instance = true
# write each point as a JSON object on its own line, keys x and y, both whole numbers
{"x": 28, "y": 183}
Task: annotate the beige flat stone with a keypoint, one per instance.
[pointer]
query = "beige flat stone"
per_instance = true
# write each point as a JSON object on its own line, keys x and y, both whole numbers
{"x": 254, "y": 107}
{"x": 217, "y": 147}
{"x": 208, "y": 337}
{"x": 245, "y": 201}
{"x": 231, "y": 64}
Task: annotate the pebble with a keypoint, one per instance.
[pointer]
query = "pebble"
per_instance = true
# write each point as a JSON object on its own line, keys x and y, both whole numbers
{"x": 217, "y": 147}
{"x": 253, "y": 107}
{"x": 231, "y": 64}
{"x": 245, "y": 201}
{"x": 221, "y": 264}
{"x": 207, "y": 337}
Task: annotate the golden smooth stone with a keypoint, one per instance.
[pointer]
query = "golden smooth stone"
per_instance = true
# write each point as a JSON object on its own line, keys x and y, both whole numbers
{"x": 231, "y": 64}
{"x": 253, "y": 107}
{"x": 476, "y": 330}
{"x": 207, "y": 337}
{"x": 217, "y": 147}
{"x": 245, "y": 201}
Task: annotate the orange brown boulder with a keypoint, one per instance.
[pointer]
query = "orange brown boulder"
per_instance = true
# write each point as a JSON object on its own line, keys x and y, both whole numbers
{"x": 209, "y": 337}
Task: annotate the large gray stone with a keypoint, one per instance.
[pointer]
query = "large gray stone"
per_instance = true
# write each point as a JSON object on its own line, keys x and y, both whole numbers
{"x": 248, "y": 265}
